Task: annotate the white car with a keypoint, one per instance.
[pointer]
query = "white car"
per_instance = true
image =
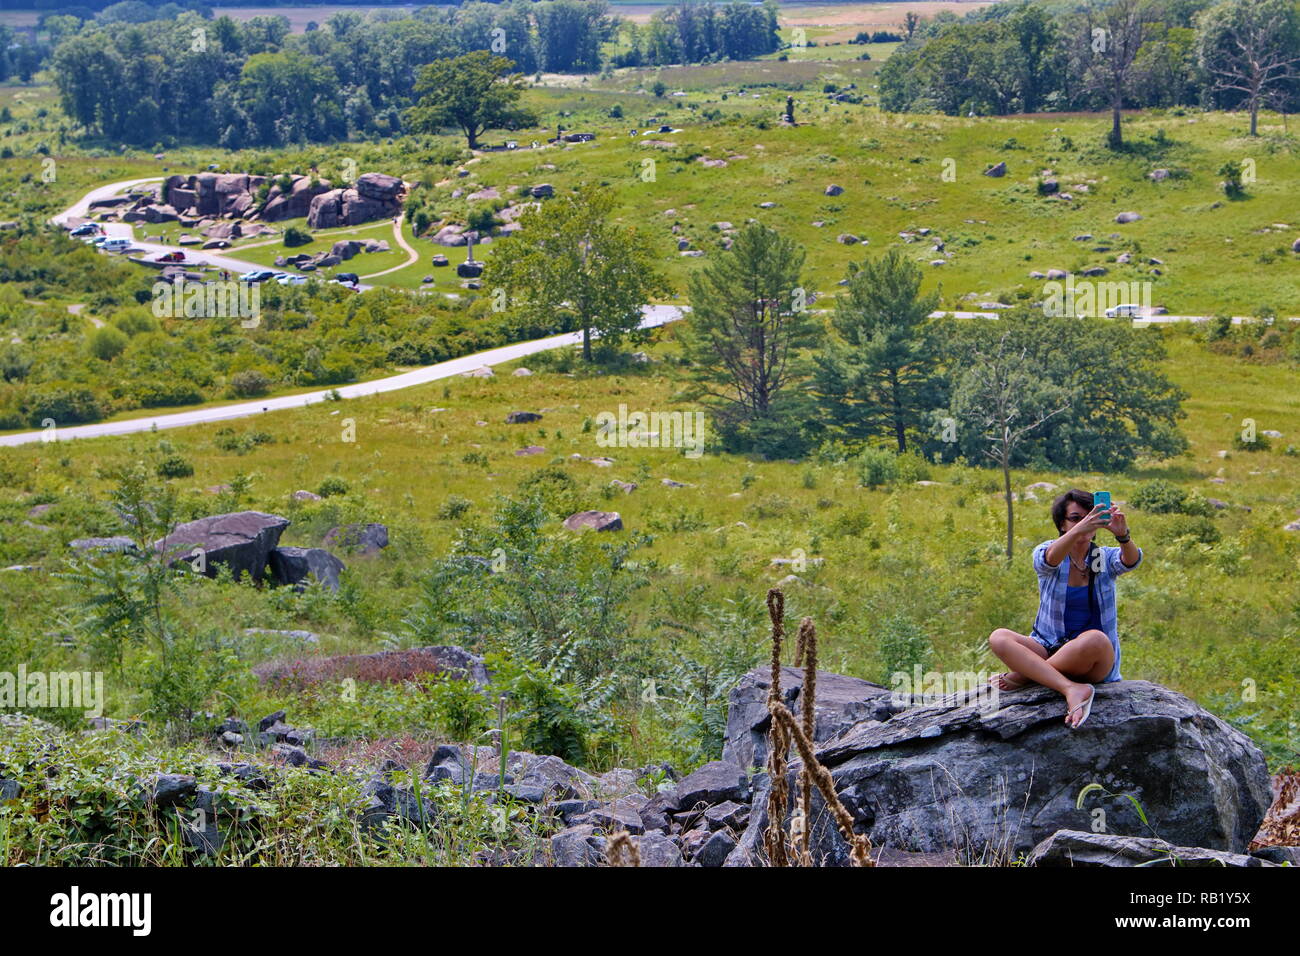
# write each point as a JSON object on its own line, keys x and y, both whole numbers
{"x": 292, "y": 280}
{"x": 1118, "y": 311}
{"x": 116, "y": 244}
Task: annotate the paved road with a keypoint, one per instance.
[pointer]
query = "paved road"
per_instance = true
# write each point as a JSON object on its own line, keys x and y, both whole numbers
{"x": 152, "y": 250}
{"x": 655, "y": 315}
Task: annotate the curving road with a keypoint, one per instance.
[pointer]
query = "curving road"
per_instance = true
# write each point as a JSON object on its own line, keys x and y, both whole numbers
{"x": 655, "y": 315}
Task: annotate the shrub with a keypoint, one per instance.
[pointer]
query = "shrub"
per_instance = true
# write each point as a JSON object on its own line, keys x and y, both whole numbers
{"x": 162, "y": 394}
{"x": 174, "y": 466}
{"x": 912, "y": 467}
{"x": 250, "y": 383}
{"x": 107, "y": 343}
{"x": 1258, "y": 443}
{"x": 1160, "y": 497}
{"x": 332, "y": 485}
{"x": 459, "y": 707}
{"x": 903, "y": 645}
{"x": 294, "y": 236}
{"x": 1196, "y": 527}
{"x": 454, "y": 507}
{"x": 877, "y": 466}
{"x": 65, "y": 404}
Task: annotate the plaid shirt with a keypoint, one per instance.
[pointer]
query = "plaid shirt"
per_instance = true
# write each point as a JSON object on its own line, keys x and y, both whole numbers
{"x": 1049, "y": 626}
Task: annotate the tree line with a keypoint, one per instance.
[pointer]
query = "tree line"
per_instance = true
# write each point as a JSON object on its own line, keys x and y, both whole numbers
{"x": 251, "y": 83}
{"x": 702, "y": 33}
{"x": 1031, "y": 57}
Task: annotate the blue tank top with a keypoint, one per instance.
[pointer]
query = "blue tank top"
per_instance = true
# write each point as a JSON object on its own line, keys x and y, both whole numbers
{"x": 1078, "y": 612}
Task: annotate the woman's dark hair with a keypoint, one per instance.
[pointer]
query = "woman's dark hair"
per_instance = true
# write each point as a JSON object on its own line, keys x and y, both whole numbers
{"x": 1081, "y": 498}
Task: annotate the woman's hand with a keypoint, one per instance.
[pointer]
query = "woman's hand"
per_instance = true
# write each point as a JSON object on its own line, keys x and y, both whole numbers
{"x": 1086, "y": 526}
{"x": 1118, "y": 523}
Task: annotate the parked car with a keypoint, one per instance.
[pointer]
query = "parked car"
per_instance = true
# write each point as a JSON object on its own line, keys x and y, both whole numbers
{"x": 115, "y": 244}
{"x": 1119, "y": 311}
{"x": 349, "y": 277}
{"x": 85, "y": 229}
{"x": 259, "y": 275}
{"x": 292, "y": 280}
{"x": 177, "y": 256}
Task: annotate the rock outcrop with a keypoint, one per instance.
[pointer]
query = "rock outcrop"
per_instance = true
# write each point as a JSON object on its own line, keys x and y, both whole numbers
{"x": 242, "y": 541}
{"x": 1081, "y": 848}
{"x": 995, "y": 782}
{"x": 374, "y": 196}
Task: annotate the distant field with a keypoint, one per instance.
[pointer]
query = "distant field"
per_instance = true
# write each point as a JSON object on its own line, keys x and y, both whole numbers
{"x": 846, "y": 18}
{"x": 299, "y": 17}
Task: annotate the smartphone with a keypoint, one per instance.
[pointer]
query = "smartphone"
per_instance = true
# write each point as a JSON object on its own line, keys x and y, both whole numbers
{"x": 1102, "y": 498}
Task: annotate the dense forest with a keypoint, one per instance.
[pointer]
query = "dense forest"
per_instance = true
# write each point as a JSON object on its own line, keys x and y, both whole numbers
{"x": 180, "y": 76}
{"x": 1030, "y": 57}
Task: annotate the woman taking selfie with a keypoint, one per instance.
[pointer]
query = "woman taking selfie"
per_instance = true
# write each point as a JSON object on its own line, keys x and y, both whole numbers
{"x": 1074, "y": 642}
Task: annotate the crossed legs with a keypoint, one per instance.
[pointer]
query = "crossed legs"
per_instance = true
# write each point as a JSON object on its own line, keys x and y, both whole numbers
{"x": 1081, "y": 662}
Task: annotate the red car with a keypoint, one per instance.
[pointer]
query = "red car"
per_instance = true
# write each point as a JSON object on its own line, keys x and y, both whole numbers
{"x": 171, "y": 257}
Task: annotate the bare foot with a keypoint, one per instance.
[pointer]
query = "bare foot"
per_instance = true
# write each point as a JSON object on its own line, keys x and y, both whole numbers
{"x": 1008, "y": 681}
{"x": 1075, "y": 697}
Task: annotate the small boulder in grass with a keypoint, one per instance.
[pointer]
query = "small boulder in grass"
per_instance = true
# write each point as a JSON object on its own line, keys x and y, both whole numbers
{"x": 1126, "y": 217}
{"x": 522, "y": 418}
{"x": 834, "y": 190}
{"x": 596, "y": 520}
{"x": 997, "y": 171}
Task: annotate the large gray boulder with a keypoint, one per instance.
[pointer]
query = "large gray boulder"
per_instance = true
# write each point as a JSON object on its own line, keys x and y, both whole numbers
{"x": 842, "y": 702}
{"x": 966, "y": 776}
{"x": 242, "y": 540}
{"x": 1080, "y": 848}
{"x": 379, "y": 186}
{"x": 294, "y": 204}
{"x": 362, "y": 538}
{"x": 596, "y": 520}
{"x": 295, "y": 565}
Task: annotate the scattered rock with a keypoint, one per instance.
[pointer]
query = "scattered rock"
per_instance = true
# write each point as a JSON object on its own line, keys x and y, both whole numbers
{"x": 996, "y": 171}
{"x": 715, "y": 782}
{"x": 522, "y": 418}
{"x": 295, "y": 565}
{"x": 117, "y": 543}
{"x": 716, "y": 849}
{"x": 365, "y": 539}
{"x": 1126, "y": 217}
{"x": 1079, "y": 848}
{"x": 596, "y": 520}
{"x": 833, "y": 190}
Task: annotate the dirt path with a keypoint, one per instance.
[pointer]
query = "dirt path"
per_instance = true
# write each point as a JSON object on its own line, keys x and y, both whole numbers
{"x": 401, "y": 241}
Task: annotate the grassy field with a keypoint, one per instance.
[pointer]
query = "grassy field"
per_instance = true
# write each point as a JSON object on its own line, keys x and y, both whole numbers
{"x": 1203, "y": 619}
{"x": 900, "y": 173}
